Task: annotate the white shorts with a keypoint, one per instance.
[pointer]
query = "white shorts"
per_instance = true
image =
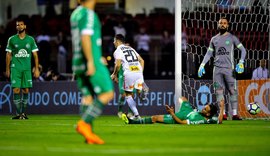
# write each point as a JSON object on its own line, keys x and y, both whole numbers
{"x": 133, "y": 80}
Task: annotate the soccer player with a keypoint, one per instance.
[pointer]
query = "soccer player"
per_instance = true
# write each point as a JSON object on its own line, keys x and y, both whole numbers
{"x": 121, "y": 99}
{"x": 186, "y": 115}
{"x": 222, "y": 48}
{"x": 20, "y": 48}
{"x": 92, "y": 75}
{"x": 132, "y": 65}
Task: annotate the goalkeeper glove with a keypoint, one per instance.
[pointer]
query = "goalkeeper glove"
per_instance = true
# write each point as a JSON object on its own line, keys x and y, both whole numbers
{"x": 240, "y": 67}
{"x": 201, "y": 70}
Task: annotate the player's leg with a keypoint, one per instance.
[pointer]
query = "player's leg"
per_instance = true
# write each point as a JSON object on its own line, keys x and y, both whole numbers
{"x": 132, "y": 104}
{"x": 145, "y": 120}
{"x": 121, "y": 98}
{"x": 144, "y": 92}
{"x": 15, "y": 79}
{"x": 219, "y": 86}
{"x": 130, "y": 113}
{"x": 84, "y": 126}
{"x": 102, "y": 86}
{"x": 17, "y": 103}
{"x": 231, "y": 87}
{"x": 26, "y": 84}
{"x": 167, "y": 119}
{"x": 130, "y": 81}
{"x": 24, "y": 103}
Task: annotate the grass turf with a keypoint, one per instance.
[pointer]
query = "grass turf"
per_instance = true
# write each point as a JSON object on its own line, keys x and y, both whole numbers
{"x": 54, "y": 135}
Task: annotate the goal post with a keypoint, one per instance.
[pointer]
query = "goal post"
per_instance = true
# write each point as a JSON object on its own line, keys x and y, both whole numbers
{"x": 178, "y": 53}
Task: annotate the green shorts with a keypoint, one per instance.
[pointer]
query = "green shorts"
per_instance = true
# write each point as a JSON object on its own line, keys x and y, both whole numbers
{"x": 97, "y": 84}
{"x": 21, "y": 79}
{"x": 185, "y": 109}
{"x": 168, "y": 119}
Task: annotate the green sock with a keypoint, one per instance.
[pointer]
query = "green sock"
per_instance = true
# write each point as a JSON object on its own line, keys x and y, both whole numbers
{"x": 121, "y": 101}
{"x": 24, "y": 102}
{"x": 17, "y": 102}
{"x": 93, "y": 111}
{"x": 83, "y": 108}
{"x": 146, "y": 120}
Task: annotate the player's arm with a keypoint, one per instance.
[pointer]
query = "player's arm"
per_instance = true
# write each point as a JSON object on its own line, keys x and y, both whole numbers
{"x": 141, "y": 61}
{"x": 117, "y": 66}
{"x": 240, "y": 66}
{"x": 221, "y": 111}
{"x": 206, "y": 58}
{"x": 87, "y": 51}
{"x": 36, "y": 71}
{"x": 171, "y": 111}
{"x": 240, "y": 46}
{"x": 209, "y": 53}
{"x": 8, "y": 59}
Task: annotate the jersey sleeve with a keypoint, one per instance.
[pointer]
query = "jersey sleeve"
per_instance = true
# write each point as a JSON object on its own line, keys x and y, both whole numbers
{"x": 195, "y": 122}
{"x": 86, "y": 23}
{"x": 209, "y": 52}
{"x": 34, "y": 45}
{"x": 9, "y": 45}
{"x": 240, "y": 46}
{"x": 117, "y": 54}
{"x": 194, "y": 118}
{"x": 236, "y": 41}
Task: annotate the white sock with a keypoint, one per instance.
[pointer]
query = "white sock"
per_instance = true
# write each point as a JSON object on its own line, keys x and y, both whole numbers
{"x": 224, "y": 111}
{"x": 132, "y": 105}
{"x": 234, "y": 112}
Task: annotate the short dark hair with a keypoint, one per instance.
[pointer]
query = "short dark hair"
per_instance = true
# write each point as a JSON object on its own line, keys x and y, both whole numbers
{"x": 22, "y": 18}
{"x": 224, "y": 17}
{"x": 120, "y": 37}
{"x": 213, "y": 110}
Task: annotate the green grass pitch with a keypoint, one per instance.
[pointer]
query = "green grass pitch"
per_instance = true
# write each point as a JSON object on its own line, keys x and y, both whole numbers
{"x": 54, "y": 135}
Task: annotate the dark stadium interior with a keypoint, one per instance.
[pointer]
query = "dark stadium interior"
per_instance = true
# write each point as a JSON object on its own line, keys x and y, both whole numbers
{"x": 160, "y": 64}
{"x": 198, "y": 25}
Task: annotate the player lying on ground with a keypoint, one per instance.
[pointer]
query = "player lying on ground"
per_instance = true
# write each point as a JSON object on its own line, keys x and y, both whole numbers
{"x": 186, "y": 115}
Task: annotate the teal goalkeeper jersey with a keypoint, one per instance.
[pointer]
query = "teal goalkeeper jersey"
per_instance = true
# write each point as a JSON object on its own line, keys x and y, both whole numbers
{"x": 85, "y": 22}
{"x": 186, "y": 112}
{"x": 21, "y": 51}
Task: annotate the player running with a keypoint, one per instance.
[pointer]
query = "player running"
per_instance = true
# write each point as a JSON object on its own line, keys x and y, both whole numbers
{"x": 121, "y": 99}
{"x": 222, "y": 48}
{"x": 20, "y": 48}
{"x": 92, "y": 75}
{"x": 132, "y": 65}
{"x": 186, "y": 115}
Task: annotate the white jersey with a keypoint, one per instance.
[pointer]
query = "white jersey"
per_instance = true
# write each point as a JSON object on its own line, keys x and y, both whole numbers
{"x": 129, "y": 59}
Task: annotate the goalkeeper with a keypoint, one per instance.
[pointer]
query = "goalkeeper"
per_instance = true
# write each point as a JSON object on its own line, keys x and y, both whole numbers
{"x": 222, "y": 48}
{"x": 186, "y": 115}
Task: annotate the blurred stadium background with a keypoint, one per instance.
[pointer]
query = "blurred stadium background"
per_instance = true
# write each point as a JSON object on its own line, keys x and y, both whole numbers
{"x": 48, "y": 22}
{"x": 157, "y": 17}
{"x": 51, "y": 18}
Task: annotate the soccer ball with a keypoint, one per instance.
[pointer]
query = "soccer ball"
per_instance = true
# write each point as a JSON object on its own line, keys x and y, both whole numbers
{"x": 253, "y": 108}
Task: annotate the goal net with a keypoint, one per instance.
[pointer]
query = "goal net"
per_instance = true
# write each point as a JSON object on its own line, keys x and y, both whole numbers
{"x": 249, "y": 21}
